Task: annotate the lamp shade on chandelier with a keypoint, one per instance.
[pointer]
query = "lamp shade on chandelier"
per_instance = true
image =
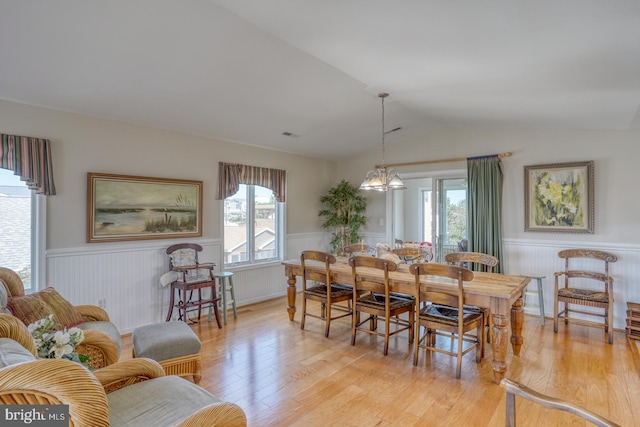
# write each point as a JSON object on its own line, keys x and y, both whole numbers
{"x": 383, "y": 178}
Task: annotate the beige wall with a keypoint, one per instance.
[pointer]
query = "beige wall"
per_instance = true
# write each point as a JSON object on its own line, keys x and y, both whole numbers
{"x": 83, "y": 144}
{"x": 617, "y": 169}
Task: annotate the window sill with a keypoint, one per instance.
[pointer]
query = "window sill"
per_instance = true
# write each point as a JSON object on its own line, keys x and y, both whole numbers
{"x": 242, "y": 267}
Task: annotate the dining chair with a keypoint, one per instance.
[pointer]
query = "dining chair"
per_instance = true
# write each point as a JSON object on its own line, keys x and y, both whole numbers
{"x": 586, "y": 288}
{"x": 372, "y": 295}
{"x": 324, "y": 290}
{"x": 485, "y": 261}
{"x": 445, "y": 311}
{"x": 359, "y": 249}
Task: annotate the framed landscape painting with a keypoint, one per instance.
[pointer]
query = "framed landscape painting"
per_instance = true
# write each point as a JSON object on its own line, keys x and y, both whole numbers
{"x": 559, "y": 197}
{"x": 123, "y": 207}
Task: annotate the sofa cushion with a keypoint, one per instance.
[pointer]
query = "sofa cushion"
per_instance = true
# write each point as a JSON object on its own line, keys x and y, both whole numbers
{"x": 63, "y": 311}
{"x": 28, "y": 308}
{"x": 38, "y": 305}
{"x": 11, "y": 353}
{"x": 4, "y": 298}
{"x": 163, "y": 401}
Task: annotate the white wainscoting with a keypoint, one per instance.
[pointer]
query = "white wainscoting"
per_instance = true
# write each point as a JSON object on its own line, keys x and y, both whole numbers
{"x": 127, "y": 276}
{"x": 536, "y": 257}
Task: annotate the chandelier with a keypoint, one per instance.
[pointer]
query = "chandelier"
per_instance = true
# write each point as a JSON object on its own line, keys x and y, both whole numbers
{"x": 382, "y": 179}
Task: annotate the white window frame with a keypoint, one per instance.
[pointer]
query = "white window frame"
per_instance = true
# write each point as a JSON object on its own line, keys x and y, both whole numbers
{"x": 250, "y": 229}
{"x": 38, "y": 242}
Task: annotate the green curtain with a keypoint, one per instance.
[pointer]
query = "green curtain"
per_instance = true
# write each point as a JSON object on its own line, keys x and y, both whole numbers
{"x": 485, "y": 178}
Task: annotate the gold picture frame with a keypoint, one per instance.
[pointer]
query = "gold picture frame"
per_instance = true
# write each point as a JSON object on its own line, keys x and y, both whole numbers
{"x": 559, "y": 197}
{"x": 124, "y": 207}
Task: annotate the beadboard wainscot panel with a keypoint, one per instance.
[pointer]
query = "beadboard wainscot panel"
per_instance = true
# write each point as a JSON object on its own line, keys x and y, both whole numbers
{"x": 538, "y": 257}
{"x": 124, "y": 277}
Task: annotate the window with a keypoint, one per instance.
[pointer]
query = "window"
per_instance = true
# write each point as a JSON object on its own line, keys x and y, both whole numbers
{"x": 20, "y": 218}
{"x": 253, "y": 226}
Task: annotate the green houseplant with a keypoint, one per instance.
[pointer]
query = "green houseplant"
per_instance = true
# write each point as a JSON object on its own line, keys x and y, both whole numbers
{"x": 343, "y": 210}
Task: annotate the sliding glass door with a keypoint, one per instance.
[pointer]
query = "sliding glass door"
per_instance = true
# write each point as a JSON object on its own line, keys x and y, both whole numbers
{"x": 450, "y": 215}
{"x": 432, "y": 209}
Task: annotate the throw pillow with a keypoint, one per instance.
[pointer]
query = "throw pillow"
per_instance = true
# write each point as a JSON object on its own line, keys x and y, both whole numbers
{"x": 28, "y": 308}
{"x": 64, "y": 313}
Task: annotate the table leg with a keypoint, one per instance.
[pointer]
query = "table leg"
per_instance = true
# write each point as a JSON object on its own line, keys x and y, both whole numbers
{"x": 499, "y": 334}
{"x": 516, "y": 326}
{"x": 291, "y": 294}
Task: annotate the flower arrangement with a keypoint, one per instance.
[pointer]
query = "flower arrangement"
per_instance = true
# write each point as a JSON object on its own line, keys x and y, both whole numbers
{"x": 55, "y": 343}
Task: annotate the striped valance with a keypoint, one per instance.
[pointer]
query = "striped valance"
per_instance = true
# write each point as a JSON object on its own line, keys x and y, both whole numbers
{"x": 231, "y": 175}
{"x": 30, "y": 158}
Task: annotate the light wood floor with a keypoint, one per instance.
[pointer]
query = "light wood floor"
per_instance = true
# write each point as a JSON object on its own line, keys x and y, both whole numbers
{"x": 283, "y": 376}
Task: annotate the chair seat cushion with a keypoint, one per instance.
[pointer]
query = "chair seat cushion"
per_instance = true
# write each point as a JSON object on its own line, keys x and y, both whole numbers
{"x": 163, "y": 401}
{"x": 583, "y": 294}
{"x": 163, "y": 341}
{"x": 106, "y": 327}
{"x": 336, "y": 291}
{"x": 378, "y": 300}
{"x": 12, "y": 353}
{"x": 448, "y": 315}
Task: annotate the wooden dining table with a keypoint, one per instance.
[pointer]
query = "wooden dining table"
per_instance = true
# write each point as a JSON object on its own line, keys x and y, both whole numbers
{"x": 500, "y": 293}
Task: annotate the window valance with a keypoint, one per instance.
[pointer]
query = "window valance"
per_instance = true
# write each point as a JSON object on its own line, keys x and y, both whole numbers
{"x": 30, "y": 158}
{"x": 231, "y": 175}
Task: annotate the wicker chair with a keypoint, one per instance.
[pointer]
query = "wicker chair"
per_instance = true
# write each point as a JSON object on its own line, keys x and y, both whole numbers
{"x": 488, "y": 262}
{"x": 101, "y": 338}
{"x": 447, "y": 313}
{"x": 325, "y": 292}
{"x": 373, "y": 296}
{"x": 579, "y": 288}
{"x": 513, "y": 388}
{"x": 132, "y": 392}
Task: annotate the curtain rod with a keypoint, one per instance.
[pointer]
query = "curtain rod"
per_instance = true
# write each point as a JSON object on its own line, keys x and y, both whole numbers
{"x": 425, "y": 162}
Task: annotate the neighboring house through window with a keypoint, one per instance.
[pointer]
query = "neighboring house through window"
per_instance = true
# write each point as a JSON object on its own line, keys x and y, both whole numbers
{"x": 15, "y": 225}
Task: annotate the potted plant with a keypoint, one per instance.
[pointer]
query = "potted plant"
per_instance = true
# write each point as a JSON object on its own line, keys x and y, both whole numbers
{"x": 343, "y": 210}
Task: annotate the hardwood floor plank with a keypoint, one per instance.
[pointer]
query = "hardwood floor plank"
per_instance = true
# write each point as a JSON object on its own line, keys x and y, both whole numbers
{"x": 283, "y": 376}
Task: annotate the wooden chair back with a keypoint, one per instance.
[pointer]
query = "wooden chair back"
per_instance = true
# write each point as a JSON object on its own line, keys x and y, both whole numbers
{"x": 316, "y": 276}
{"x": 453, "y": 297}
{"x": 363, "y": 283}
{"x": 359, "y": 249}
{"x": 460, "y": 258}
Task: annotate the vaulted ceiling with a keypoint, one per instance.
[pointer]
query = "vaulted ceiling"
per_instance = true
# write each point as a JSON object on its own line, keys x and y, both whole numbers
{"x": 250, "y": 70}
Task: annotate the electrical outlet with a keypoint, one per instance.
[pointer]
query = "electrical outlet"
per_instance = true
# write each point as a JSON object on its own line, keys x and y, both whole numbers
{"x": 381, "y": 222}
{"x": 102, "y": 303}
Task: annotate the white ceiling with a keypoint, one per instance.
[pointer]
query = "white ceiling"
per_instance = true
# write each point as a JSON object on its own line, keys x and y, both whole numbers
{"x": 249, "y": 70}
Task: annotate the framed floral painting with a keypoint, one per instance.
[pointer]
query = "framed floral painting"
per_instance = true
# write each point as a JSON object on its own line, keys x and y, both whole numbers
{"x": 559, "y": 197}
{"x": 123, "y": 207}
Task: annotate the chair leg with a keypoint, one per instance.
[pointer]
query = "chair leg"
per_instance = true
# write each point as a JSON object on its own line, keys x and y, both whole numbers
{"x": 416, "y": 344}
{"x": 386, "y": 337}
{"x": 304, "y": 312}
{"x": 555, "y": 316}
{"x": 171, "y": 302}
{"x": 610, "y": 323}
{"x": 459, "y": 359}
{"x": 354, "y": 322}
{"x": 327, "y": 321}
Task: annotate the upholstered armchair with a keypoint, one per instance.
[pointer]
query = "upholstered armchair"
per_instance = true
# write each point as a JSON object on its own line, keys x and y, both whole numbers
{"x": 102, "y": 341}
{"x": 134, "y": 392}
